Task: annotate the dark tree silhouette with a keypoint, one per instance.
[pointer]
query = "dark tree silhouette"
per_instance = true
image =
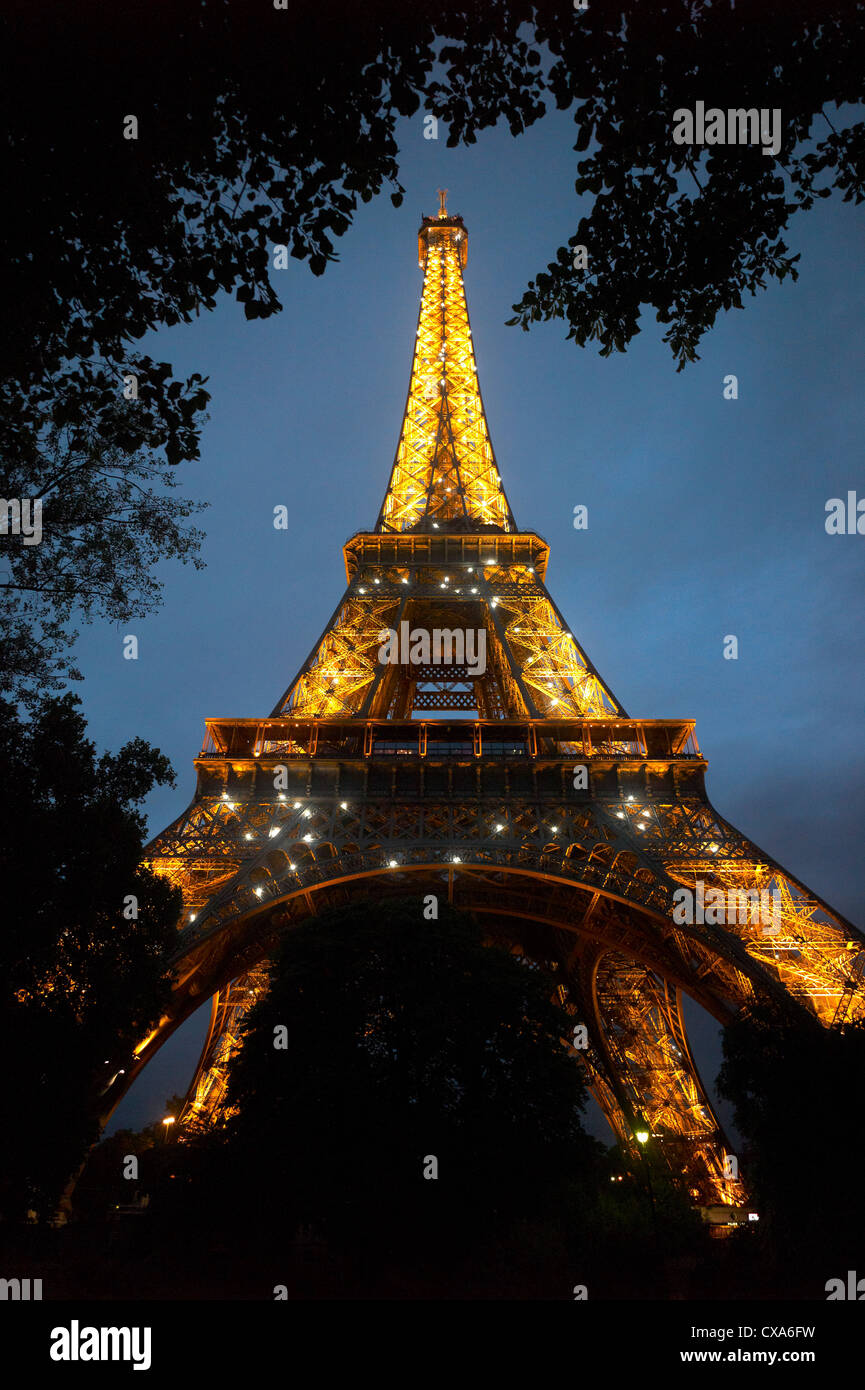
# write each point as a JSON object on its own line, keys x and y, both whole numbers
{"x": 103, "y": 1185}
{"x": 407, "y": 1041}
{"x": 689, "y": 229}
{"x": 86, "y": 932}
{"x": 107, "y": 518}
{"x": 156, "y": 157}
{"x": 796, "y": 1088}
{"x": 259, "y": 126}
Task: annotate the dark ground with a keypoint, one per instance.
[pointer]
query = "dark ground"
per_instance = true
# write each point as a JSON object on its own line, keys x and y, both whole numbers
{"x": 134, "y": 1258}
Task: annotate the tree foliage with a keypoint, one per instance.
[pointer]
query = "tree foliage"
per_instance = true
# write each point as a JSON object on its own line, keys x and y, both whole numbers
{"x": 260, "y": 127}
{"x": 689, "y": 230}
{"x": 108, "y": 517}
{"x": 796, "y": 1087}
{"x": 80, "y": 982}
{"x": 103, "y": 1184}
{"x": 407, "y": 1040}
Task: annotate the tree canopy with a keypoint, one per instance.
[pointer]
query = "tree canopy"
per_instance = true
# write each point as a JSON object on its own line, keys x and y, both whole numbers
{"x": 107, "y": 518}
{"x": 155, "y": 158}
{"x": 795, "y": 1087}
{"x": 688, "y": 229}
{"x": 86, "y": 935}
{"x": 258, "y": 126}
{"x": 385, "y": 1042}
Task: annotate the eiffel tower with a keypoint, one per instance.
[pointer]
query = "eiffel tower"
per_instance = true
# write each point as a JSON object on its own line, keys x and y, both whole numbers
{"x": 517, "y": 786}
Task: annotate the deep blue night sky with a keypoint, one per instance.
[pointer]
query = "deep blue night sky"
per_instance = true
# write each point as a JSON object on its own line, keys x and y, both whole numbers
{"x": 706, "y": 516}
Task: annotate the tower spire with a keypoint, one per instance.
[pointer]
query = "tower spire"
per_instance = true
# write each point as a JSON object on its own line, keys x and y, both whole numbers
{"x": 444, "y": 476}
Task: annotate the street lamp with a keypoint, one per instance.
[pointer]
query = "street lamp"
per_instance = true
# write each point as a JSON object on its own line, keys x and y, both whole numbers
{"x": 642, "y": 1134}
{"x": 167, "y": 1122}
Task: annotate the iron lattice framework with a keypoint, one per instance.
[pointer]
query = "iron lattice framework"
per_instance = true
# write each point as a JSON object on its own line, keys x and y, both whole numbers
{"x": 372, "y": 778}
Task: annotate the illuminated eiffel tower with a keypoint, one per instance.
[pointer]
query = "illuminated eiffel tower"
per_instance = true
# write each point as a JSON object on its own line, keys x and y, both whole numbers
{"x": 515, "y": 785}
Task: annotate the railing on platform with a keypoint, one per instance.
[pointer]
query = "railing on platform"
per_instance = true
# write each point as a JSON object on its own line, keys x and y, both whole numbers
{"x": 544, "y": 740}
